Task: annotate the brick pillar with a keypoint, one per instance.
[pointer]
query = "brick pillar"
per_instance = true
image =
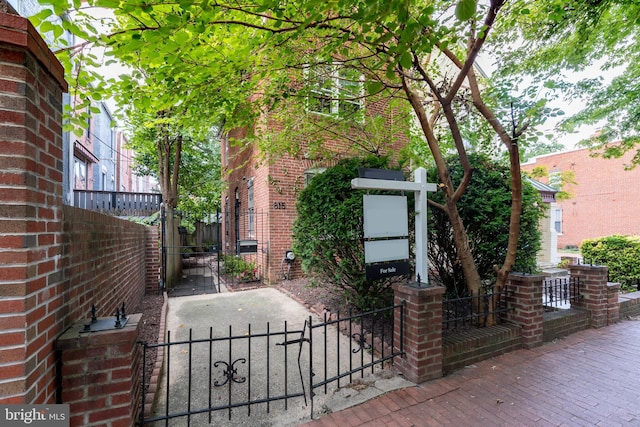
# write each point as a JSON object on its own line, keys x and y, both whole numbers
{"x": 152, "y": 260}
{"x": 594, "y": 294}
{"x": 613, "y": 305}
{"x": 524, "y": 300}
{"x": 31, "y": 86}
{"x": 101, "y": 374}
{"x": 422, "y": 333}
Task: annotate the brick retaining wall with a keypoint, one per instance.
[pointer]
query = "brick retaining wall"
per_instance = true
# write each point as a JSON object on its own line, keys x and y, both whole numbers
{"x": 56, "y": 260}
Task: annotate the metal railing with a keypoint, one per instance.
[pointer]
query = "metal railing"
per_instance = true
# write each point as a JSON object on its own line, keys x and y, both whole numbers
{"x": 255, "y": 371}
{"x": 117, "y": 203}
{"x": 358, "y": 354}
{"x": 474, "y": 311}
{"x": 231, "y": 372}
{"x": 560, "y": 292}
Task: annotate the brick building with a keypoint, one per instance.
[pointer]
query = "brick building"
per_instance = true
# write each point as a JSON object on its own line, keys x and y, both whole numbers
{"x": 259, "y": 203}
{"x": 604, "y": 201}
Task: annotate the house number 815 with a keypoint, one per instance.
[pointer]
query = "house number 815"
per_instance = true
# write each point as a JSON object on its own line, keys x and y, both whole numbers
{"x": 279, "y": 205}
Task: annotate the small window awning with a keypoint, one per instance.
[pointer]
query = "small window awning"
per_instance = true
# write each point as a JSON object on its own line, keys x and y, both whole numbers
{"x": 83, "y": 153}
{"x": 547, "y": 192}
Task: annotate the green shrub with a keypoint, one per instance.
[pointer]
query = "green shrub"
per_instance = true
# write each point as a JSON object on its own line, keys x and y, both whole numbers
{"x": 485, "y": 208}
{"x": 620, "y": 253}
{"x": 238, "y": 267}
{"x": 328, "y": 235}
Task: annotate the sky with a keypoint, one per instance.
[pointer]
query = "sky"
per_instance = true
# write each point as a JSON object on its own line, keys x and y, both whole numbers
{"x": 569, "y": 107}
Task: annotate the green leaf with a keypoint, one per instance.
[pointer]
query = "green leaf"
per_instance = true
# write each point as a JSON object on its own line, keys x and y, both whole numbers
{"x": 373, "y": 87}
{"x": 466, "y": 9}
{"x": 406, "y": 60}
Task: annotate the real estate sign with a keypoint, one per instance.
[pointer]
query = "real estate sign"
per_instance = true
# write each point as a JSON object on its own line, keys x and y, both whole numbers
{"x": 386, "y": 228}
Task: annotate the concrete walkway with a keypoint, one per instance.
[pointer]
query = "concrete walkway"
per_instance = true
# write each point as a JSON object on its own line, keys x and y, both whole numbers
{"x": 259, "y": 362}
{"x": 591, "y": 378}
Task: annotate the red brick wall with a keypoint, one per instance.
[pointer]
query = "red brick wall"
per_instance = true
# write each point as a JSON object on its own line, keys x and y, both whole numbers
{"x": 605, "y": 200}
{"x": 277, "y": 184}
{"x": 31, "y": 86}
{"x": 101, "y": 375}
{"x": 152, "y": 259}
{"x": 103, "y": 263}
{"x": 55, "y": 261}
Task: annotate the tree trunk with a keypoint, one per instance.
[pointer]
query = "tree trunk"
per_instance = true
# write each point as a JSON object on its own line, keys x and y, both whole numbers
{"x": 514, "y": 222}
{"x": 467, "y": 263}
{"x": 168, "y": 171}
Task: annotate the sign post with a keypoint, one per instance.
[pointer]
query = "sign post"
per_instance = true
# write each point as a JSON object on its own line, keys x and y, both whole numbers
{"x": 420, "y": 186}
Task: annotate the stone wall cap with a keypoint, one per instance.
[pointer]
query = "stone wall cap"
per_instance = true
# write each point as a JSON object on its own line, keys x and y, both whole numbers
{"x": 18, "y": 31}
{"x": 75, "y": 338}
{"x": 413, "y": 289}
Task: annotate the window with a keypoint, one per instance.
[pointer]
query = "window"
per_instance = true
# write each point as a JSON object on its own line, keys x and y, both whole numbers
{"x": 555, "y": 180}
{"x": 89, "y": 122}
{"x": 80, "y": 174}
{"x": 334, "y": 90}
{"x": 225, "y": 139}
{"x": 112, "y": 139}
{"x": 310, "y": 173}
{"x": 226, "y": 220}
{"x": 250, "y": 219}
{"x": 557, "y": 220}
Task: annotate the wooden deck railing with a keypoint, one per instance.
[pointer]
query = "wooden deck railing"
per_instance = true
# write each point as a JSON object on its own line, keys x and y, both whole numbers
{"x": 117, "y": 203}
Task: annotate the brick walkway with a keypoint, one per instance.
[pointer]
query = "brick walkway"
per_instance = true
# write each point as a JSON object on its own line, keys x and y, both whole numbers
{"x": 589, "y": 378}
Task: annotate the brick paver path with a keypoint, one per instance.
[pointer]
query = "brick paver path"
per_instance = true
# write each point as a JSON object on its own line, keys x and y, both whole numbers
{"x": 589, "y": 378}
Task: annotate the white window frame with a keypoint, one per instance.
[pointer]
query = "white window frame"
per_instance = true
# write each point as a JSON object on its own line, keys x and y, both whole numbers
{"x": 557, "y": 220}
{"x": 80, "y": 173}
{"x": 310, "y": 173}
{"x": 250, "y": 209}
{"x": 555, "y": 180}
{"x": 328, "y": 88}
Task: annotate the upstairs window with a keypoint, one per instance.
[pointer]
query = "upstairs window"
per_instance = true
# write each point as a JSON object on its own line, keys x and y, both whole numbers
{"x": 555, "y": 179}
{"x": 557, "y": 220}
{"x": 335, "y": 90}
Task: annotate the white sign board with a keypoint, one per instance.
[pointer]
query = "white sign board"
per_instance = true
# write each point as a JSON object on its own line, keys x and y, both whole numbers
{"x": 386, "y": 250}
{"x": 385, "y": 216}
{"x": 420, "y": 186}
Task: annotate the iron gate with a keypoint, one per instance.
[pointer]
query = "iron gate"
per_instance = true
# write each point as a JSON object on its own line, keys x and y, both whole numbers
{"x": 259, "y": 371}
{"x": 223, "y": 247}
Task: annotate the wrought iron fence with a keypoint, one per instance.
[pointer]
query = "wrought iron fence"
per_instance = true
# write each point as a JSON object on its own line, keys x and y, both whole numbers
{"x": 474, "y": 311}
{"x": 256, "y": 371}
{"x": 359, "y": 354}
{"x": 560, "y": 292}
{"x": 236, "y": 373}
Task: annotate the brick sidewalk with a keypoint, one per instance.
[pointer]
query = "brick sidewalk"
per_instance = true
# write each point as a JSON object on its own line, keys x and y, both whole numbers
{"x": 589, "y": 378}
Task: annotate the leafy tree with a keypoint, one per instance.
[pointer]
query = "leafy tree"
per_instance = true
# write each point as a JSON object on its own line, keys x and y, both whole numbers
{"x": 199, "y": 182}
{"x": 540, "y": 149}
{"x": 158, "y": 87}
{"x": 567, "y": 177}
{"x": 485, "y": 210}
{"x": 558, "y": 37}
{"x": 328, "y": 234}
{"x": 235, "y": 61}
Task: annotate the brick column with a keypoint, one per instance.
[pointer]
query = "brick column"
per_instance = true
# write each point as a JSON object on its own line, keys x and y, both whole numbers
{"x": 152, "y": 260}
{"x": 31, "y": 86}
{"x": 613, "y": 305}
{"x": 422, "y": 333}
{"x": 101, "y": 374}
{"x": 524, "y": 299}
{"x": 594, "y": 294}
